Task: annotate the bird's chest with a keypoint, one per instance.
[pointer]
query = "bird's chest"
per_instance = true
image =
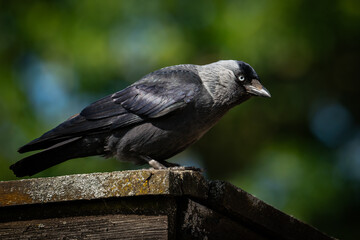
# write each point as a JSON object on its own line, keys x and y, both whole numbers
{"x": 174, "y": 134}
{"x": 164, "y": 137}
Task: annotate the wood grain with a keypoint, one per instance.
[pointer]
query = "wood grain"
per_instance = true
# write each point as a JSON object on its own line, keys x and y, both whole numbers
{"x": 102, "y": 185}
{"x": 89, "y": 227}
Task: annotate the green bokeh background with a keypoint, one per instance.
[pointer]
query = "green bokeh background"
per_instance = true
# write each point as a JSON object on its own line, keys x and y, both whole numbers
{"x": 298, "y": 151}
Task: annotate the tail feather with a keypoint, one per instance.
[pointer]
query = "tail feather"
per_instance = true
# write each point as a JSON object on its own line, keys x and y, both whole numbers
{"x": 40, "y": 143}
{"x": 74, "y": 127}
{"x": 73, "y": 148}
{"x": 54, "y": 136}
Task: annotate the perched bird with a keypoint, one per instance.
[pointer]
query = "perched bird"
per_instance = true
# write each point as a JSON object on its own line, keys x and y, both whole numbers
{"x": 149, "y": 121}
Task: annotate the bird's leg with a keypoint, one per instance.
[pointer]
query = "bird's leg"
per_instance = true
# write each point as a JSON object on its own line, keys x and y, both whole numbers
{"x": 153, "y": 163}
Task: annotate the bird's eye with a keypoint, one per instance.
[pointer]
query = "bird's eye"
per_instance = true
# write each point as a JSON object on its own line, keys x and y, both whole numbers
{"x": 241, "y": 78}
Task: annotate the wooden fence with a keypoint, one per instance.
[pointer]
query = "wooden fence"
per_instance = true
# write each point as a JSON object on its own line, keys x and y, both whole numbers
{"x": 143, "y": 204}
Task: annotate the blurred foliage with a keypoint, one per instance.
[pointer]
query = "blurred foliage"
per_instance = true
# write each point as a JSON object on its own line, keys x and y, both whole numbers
{"x": 299, "y": 150}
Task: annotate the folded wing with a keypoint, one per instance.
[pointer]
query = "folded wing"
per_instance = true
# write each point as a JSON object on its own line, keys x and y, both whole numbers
{"x": 154, "y": 96}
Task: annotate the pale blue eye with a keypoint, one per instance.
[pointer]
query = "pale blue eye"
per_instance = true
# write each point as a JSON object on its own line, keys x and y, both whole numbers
{"x": 241, "y": 78}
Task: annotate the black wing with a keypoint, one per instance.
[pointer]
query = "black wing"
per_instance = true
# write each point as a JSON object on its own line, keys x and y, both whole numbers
{"x": 155, "y": 95}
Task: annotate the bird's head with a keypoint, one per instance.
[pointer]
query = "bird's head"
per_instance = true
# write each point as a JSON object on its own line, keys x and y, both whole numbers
{"x": 246, "y": 77}
{"x": 231, "y": 82}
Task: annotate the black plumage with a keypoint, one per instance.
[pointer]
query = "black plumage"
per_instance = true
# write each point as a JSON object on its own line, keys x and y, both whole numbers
{"x": 149, "y": 121}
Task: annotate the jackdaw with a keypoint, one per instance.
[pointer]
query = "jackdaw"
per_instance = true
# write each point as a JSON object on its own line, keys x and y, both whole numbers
{"x": 149, "y": 121}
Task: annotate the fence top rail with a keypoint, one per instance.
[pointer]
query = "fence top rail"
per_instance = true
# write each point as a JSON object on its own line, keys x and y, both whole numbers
{"x": 102, "y": 185}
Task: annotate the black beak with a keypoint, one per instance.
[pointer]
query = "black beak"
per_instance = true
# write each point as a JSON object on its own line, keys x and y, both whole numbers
{"x": 255, "y": 88}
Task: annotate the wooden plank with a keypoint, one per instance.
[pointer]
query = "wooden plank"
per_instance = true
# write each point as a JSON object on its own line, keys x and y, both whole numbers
{"x": 102, "y": 185}
{"x": 139, "y": 205}
{"x": 199, "y": 222}
{"x": 256, "y": 214}
{"x": 88, "y": 227}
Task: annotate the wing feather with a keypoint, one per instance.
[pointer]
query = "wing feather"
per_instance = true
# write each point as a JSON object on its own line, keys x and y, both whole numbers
{"x": 155, "y": 95}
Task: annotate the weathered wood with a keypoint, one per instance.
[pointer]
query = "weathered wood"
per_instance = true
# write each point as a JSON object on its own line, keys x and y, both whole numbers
{"x": 201, "y": 222}
{"x": 258, "y": 214}
{"x": 93, "y": 227}
{"x": 193, "y": 207}
{"x": 102, "y": 185}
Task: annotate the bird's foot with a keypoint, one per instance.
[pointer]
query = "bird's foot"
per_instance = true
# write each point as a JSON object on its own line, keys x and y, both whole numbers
{"x": 183, "y": 168}
{"x": 155, "y": 165}
{"x": 177, "y": 167}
